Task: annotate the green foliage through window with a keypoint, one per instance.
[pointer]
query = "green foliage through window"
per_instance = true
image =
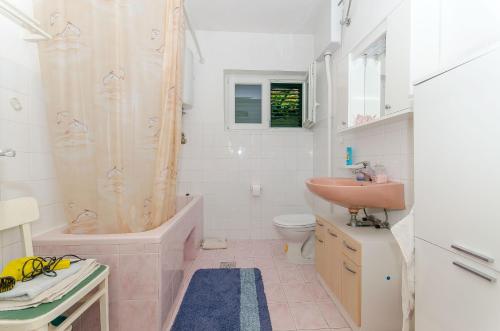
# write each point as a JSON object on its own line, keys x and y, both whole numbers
{"x": 286, "y": 105}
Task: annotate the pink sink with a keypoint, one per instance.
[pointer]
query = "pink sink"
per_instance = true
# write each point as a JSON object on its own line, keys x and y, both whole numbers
{"x": 356, "y": 195}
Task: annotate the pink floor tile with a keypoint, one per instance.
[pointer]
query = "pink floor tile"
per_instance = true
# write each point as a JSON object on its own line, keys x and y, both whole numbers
{"x": 281, "y": 318}
{"x": 262, "y": 250}
{"x": 269, "y": 275}
{"x": 274, "y": 293}
{"x": 307, "y": 316}
{"x": 264, "y": 262}
{"x": 309, "y": 272}
{"x": 245, "y": 262}
{"x": 297, "y": 292}
{"x": 317, "y": 291}
{"x": 332, "y": 315}
{"x": 290, "y": 274}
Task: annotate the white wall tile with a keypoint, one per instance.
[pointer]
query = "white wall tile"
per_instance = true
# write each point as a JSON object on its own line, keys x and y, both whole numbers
{"x": 31, "y": 172}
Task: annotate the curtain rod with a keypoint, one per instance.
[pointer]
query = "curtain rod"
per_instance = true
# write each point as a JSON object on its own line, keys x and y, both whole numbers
{"x": 24, "y": 21}
{"x": 193, "y": 35}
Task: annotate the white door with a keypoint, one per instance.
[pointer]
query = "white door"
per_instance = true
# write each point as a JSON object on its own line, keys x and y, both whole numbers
{"x": 397, "y": 86}
{"x": 457, "y": 160}
{"x": 454, "y": 293}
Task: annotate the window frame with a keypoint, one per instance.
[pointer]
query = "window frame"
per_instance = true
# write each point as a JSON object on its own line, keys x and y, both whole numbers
{"x": 264, "y": 79}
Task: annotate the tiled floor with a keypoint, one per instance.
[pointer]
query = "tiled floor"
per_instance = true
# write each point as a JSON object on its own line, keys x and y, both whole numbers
{"x": 296, "y": 300}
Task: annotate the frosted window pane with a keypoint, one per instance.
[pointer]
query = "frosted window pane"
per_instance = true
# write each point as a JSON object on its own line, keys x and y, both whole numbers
{"x": 248, "y": 104}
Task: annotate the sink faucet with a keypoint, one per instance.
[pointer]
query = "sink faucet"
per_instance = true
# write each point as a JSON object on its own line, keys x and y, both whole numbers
{"x": 365, "y": 168}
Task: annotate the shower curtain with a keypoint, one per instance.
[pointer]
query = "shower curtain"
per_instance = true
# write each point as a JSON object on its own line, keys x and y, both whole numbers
{"x": 113, "y": 81}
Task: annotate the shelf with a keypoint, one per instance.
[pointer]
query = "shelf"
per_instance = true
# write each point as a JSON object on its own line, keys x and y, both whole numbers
{"x": 406, "y": 113}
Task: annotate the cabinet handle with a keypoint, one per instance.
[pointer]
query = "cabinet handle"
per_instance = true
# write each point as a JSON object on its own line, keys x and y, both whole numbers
{"x": 321, "y": 241}
{"x": 474, "y": 254}
{"x": 349, "y": 269}
{"x": 476, "y": 272}
{"x": 332, "y": 234}
{"x": 387, "y": 107}
{"x": 319, "y": 223}
{"x": 349, "y": 247}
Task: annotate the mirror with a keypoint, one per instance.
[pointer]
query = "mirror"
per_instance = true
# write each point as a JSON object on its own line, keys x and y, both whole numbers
{"x": 367, "y": 84}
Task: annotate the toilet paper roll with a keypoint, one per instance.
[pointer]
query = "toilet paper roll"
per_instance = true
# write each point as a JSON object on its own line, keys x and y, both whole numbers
{"x": 256, "y": 189}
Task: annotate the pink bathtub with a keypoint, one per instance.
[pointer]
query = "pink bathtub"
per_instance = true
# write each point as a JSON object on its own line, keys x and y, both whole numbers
{"x": 146, "y": 267}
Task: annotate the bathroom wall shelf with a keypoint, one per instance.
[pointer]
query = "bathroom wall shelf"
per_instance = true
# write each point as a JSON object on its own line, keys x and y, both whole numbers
{"x": 36, "y": 33}
{"x": 406, "y": 113}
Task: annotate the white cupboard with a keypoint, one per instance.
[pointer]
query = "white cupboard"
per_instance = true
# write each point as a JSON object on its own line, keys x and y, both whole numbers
{"x": 457, "y": 182}
{"x": 457, "y": 188}
{"x": 447, "y": 33}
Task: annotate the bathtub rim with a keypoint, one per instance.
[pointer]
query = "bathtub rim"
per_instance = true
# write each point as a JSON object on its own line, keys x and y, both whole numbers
{"x": 153, "y": 236}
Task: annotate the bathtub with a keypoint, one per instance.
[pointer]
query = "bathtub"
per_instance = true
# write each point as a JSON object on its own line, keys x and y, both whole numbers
{"x": 147, "y": 268}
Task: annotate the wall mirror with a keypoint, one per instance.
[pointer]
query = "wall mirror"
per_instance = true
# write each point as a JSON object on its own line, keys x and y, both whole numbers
{"x": 367, "y": 83}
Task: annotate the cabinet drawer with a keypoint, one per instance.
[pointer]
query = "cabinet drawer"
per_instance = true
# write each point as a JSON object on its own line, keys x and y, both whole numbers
{"x": 352, "y": 249}
{"x": 320, "y": 227}
{"x": 453, "y": 292}
{"x": 351, "y": 289}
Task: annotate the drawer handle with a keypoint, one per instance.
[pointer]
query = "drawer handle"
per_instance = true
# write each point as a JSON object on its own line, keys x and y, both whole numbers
{"x": 349, "y": 247}
{"x": 475, "y": 272}
{"x": 332, "y": 234}
{"x": 349, "y": 269}
{"x": 319, "y": 223}
{"x": 474, "y": 254}
{"x": 321, "y": 241}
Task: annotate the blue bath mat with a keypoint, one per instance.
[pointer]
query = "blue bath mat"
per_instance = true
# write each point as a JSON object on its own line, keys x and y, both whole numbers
{"x": 224, "y": 300}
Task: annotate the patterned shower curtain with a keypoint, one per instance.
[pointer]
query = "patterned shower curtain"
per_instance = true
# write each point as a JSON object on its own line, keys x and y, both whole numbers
{"x": 113, "y": 81}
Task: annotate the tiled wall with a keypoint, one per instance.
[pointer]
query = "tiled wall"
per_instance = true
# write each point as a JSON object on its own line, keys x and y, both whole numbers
{"x": 31, "y": 172}
{"x": 222, "y": 164}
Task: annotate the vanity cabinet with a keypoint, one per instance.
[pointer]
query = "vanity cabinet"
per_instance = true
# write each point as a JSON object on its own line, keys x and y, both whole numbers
{"x": 361, "y": 270}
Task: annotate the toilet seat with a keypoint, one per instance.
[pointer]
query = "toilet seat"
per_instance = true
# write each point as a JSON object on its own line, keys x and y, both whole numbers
{"x": 295, "y": 221}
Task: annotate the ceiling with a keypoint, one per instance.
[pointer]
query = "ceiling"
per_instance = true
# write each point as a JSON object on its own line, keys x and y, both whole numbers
{"x": 260, "y": 16}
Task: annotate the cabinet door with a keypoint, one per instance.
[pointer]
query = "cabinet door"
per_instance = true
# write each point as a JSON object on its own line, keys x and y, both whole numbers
{"x": 334, "y": 261}
{"x": 397, "y": 62}
{"x": 457, "y": 181}
{"x": 467, "y": 28}
{"x": 319, "y": 255}
{"x": 351, "y": 289}
{"x": 451, "y": 298}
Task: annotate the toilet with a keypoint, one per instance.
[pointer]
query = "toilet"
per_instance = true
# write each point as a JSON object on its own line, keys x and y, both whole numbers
{"x": 297, "y": 230}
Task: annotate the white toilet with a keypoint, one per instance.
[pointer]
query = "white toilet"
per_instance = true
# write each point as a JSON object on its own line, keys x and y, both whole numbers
{"x": 297, "y": 230}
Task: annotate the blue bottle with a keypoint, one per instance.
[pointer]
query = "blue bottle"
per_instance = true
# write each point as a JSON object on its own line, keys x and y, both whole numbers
{"x": 348, "y": 156}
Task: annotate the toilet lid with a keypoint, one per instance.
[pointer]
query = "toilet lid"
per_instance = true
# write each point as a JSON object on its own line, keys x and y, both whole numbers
{"x": 295, "y": 220}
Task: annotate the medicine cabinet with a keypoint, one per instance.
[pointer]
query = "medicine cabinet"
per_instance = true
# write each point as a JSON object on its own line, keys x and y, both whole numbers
{"x": 379, "y": 72}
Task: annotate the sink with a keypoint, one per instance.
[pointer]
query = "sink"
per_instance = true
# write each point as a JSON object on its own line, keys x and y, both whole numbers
{"x": 356, "y": 195}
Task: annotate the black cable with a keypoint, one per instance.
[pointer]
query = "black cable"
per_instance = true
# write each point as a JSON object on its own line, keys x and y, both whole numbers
{"x": 45, "y": 266}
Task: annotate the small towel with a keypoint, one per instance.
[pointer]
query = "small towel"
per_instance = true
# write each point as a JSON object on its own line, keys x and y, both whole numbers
{"x": 404, "y": 233}
{"x": 46, "y": 289}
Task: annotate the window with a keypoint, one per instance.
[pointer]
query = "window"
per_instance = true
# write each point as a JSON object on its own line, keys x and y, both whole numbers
{"x": 286, "y": 105}
{"x": 263, "y": 100}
